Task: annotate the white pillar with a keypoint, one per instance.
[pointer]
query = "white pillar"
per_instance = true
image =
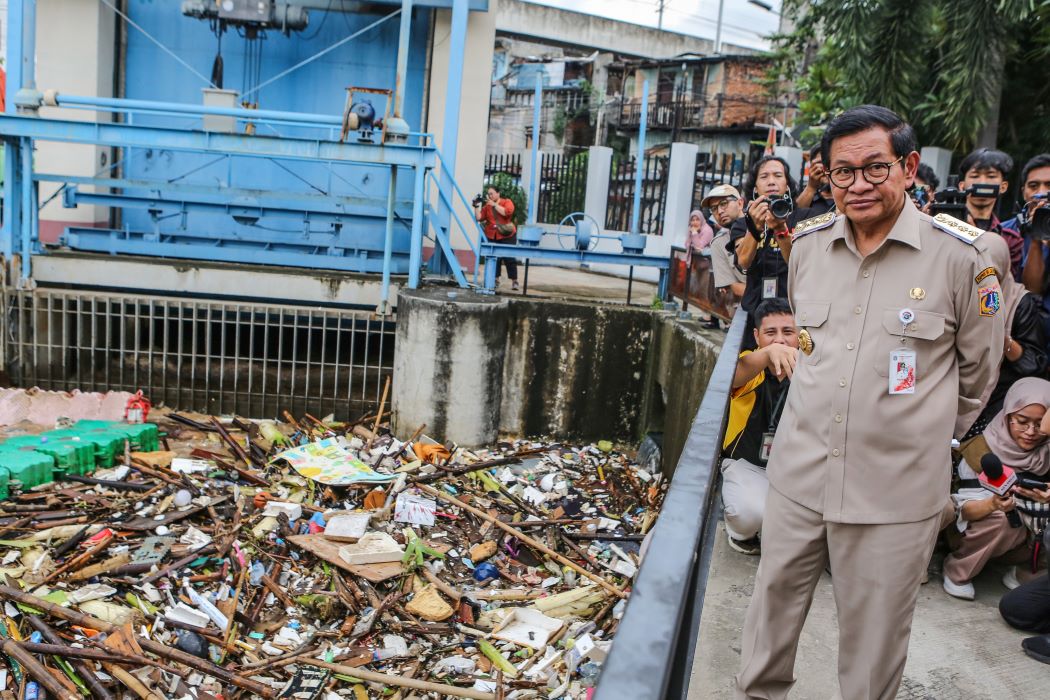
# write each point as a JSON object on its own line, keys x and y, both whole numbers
{"x": 681, "y": 181}
{"x": 599, "y": 166}
{"x": 793, "y": 156}
{"x": 940, "y": 159}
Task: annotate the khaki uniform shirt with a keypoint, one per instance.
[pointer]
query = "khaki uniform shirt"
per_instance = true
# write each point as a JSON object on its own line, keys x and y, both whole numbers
{"x": 722, "y": 266}
{"x": 845, "y": 446}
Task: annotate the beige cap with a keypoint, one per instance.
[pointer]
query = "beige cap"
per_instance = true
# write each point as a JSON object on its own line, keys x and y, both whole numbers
{"x": 718, "y": 192}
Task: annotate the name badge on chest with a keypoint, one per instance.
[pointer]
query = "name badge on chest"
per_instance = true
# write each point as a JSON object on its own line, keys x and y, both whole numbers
{"x": 769, "y": 287}
{"x": 903, "y": 371}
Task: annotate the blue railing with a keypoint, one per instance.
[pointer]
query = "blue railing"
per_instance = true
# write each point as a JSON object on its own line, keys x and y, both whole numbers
{"x": 652, "y": 653}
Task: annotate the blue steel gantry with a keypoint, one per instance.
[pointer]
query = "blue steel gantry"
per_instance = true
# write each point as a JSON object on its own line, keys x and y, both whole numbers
{"x": 283, "y": 187}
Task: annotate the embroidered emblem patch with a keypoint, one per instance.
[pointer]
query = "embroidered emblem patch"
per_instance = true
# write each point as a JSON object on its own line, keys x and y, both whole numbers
{"x": 991, "y": 299}
{"x": 984, "y": 274}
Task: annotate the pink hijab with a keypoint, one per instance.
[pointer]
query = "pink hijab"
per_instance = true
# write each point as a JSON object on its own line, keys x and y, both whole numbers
{"x": 698, "y": 240}
{"x": 1024, "y": 392}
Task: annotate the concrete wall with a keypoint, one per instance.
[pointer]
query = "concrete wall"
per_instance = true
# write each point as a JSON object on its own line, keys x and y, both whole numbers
{"x": 475, "y": 367}
{"x": 575, "y": 370}
{"x": 682, "y": 359}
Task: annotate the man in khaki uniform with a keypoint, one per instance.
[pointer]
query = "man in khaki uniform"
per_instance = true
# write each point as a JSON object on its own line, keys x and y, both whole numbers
{"x": 899, "y": 331}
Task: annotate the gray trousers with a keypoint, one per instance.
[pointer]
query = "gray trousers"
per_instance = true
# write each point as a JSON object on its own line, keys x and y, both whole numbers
{"x": 876, "y": 573}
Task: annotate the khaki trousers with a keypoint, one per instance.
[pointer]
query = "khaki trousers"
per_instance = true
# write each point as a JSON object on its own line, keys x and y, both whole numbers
{"x": 876, "y": 571}
{"x": 982, "y": 541}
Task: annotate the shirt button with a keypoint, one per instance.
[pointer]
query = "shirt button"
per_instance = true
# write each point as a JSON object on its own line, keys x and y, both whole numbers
{"x": 838, "y": 418}
{"x": 842, "y": 382}
{"x": 835, "y": 453}
{"x": 856, "y": 309}
{"x": 850, "y": 346}
{"x": 867, "y": 273}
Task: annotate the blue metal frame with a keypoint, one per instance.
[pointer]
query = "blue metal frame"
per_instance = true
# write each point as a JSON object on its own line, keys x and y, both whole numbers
{"x": 490, "y": 252}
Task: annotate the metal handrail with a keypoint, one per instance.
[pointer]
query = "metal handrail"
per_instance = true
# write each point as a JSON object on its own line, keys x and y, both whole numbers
{"x": 652, "y": 654}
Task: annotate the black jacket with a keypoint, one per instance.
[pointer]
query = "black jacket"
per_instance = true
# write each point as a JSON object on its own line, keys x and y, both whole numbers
{"x": 1027, "y": 331}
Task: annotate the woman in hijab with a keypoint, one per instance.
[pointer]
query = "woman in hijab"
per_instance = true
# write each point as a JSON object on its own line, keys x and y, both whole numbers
{"x": 700, "y": 233}
{"x": 1015, "y": 434}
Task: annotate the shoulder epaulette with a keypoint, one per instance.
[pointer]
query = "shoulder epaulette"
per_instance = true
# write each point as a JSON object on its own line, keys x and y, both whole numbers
{"x": 813, "y": 224}
{"x": 959, "y": 229}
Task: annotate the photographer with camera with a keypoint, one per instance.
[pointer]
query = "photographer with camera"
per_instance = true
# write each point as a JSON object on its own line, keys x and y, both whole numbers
{"x": 766, "y": 225}
{"x": 984, "y": 177}
{"x": 497, "y": 216}
{"x": 816, "y": 195}
{"x": 926, "y": 183}
{"x": 1034, "y": 224}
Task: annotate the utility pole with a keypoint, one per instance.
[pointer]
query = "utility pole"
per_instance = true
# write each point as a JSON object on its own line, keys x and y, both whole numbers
{"x": 660, "y": 10}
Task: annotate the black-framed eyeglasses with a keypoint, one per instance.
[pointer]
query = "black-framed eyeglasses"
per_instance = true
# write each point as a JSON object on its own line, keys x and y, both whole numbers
{"x": 874, "y": 173}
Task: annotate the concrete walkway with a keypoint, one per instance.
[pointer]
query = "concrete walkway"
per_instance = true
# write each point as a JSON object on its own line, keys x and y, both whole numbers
{"x": 580, "y": 285}
{"x": 959, "y": 650}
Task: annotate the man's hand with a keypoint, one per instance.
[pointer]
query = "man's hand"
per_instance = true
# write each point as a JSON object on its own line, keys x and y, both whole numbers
{"x": 818, "y": 177}
{"x": 780, "y": 360}
{"x": 1003, "y": 504}
{"x": 758, "y": 212}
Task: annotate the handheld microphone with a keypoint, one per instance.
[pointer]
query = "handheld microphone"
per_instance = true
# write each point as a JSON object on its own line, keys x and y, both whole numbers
{"x": 999, "y": 480}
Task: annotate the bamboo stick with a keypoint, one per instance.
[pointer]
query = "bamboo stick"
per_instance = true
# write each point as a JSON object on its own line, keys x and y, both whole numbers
{"x": 149, "y": 645}
{"x": 524, "y": 538}
{"x": 400, "y": 681}
{"x": 37, "y": 670}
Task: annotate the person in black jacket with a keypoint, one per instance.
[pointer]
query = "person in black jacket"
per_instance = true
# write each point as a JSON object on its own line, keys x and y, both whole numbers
{"x": 1025, "y": 350}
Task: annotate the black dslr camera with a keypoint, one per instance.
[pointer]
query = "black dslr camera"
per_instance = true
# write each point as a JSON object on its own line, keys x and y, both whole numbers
{"x": 477, "y": 201}
{"x": 952, "y": 200}
{"x": 1036, "y": 222}
{"x": 782, "y": 206}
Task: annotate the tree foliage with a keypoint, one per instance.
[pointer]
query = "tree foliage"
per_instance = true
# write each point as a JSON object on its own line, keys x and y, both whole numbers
{"x": 951, "y": 67}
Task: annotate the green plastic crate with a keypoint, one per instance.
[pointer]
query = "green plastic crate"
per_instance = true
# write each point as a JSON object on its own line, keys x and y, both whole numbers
{"x": 71, "y": 457}
{"x": 144, "y": 437}
{"x": 27, "y": 466}
{"x": 108, "y": 444}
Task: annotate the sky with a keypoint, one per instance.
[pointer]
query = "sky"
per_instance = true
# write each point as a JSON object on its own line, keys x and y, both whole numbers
{"x": 743, "y": 23}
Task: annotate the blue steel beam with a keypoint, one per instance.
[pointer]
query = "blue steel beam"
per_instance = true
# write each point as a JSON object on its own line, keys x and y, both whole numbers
{"x": 534, "y": 172}
{"x": 639, "y": 160}
{"x": 290, "y": 201}
{"x": 368, "y": 242}
{"x": 248, "y": 115}
{"x": 87, "y": 239}
{"x": 231, "y": 206}
{"x": 457, "y": 44}
{"x": 289, "y": 148}
{"x": 501, "y": 250}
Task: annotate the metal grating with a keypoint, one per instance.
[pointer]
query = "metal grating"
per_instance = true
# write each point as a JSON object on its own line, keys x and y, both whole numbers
{"x": 214, "y": 357}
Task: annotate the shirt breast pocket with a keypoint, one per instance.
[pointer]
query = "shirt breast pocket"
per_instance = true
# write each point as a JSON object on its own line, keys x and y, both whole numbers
{"x": 811, "y": 317}
{"x": 922, "y": 332}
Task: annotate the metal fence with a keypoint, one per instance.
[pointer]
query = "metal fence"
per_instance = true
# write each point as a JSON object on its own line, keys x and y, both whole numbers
{"x": 652, "y": 653}
{"x": 563, "y": 186}
{"x": 716, "y": 169}
{"x": 509, "y": 163}
{"x": 214, "y": 357}
{"x": 621, "y": 195}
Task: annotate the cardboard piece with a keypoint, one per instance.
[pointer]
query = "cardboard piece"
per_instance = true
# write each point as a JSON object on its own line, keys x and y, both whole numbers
{"x": 329, "y": 551}
{"x": 429, "y": 605}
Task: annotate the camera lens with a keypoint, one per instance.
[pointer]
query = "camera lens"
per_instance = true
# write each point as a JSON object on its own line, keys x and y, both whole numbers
{"x": 780, "y": 208}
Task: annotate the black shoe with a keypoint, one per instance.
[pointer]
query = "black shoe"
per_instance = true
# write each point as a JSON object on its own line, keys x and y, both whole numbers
{"x": 1038, "y": 648}
{"x": 750, "y": 547}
